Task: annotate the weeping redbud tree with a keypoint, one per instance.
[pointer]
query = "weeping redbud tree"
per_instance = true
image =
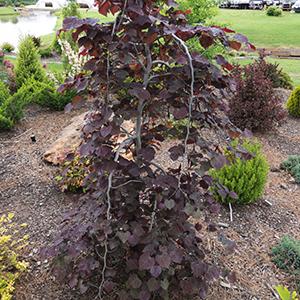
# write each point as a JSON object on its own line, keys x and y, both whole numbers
{"x": 132, "y": 236}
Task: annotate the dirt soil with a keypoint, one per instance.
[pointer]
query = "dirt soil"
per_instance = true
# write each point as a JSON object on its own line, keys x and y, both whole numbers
{"x": 28, "y": 189}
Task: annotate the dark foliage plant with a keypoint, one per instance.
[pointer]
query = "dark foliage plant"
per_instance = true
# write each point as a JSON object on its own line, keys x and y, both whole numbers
{"x": 131, "y": 236}
{"x": 255, "y": 105}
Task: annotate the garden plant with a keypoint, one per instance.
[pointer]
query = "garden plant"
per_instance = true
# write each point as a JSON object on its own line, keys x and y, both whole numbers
{"x": 286, "y": 256}
{"x": 131, "y": 236}
{"x": 293, "y": 103}
{"x": 246, "y": 177}
{"x": 255, "y": 105}
{"x": 11, "y": 246}
{"x": 292, "y": 165}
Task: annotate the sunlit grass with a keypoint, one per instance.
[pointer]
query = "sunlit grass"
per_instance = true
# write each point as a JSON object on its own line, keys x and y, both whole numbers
{"x": 262, "y": 30}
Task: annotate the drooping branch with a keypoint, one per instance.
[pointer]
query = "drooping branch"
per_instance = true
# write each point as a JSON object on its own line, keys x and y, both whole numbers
{"x": 190, "y": 59}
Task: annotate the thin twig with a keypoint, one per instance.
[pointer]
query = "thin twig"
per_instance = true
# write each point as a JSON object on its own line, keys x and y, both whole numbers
{"x": 153, "y": 215}
{"x": 231, "y": 212}
{"x": 141, "y": 105}
{"x": 125, "y": 183}
{"x": 158, "y": 61}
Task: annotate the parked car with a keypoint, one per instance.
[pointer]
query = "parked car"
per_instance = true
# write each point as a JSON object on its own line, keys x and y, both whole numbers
{"x": 287, "y": 5}
{"x": 256, "y": 4}
{"x": 241, "y": 4}
{"x": 296, "y": 6}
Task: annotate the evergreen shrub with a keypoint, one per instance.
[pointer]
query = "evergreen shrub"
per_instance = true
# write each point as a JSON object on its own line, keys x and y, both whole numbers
{"x": 286, "y": 256}
{"x": 4, "y": 92}
{"x": 245, "y": 177}
{"x": 28, "y": 63}
{"x": 293, "y": 103}
{"x": 292, "y": 165}
{"x": 7, "y": 47}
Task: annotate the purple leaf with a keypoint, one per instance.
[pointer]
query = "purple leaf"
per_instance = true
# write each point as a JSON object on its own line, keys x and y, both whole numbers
{"x": 180, "y": 113}
{"x": 148, "y": 153}
{"x": 140, "y": 93}
{"x": 163, "y": 260}
{"x": 146, "y": 262}
{"x": 106, "y": 130}
{"x": 219, "y": 161}
{"x": 199, "y": 268}
{"x": 153, "y": 284}
{"x": 134, "y": 281}
{"x": 155, "y": 271}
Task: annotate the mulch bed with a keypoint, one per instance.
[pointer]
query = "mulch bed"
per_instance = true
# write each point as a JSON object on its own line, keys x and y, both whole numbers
{"x": 28, "y": 189}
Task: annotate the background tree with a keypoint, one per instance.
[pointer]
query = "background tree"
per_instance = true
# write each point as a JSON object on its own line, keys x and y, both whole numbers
{"x": 199, "y": 11}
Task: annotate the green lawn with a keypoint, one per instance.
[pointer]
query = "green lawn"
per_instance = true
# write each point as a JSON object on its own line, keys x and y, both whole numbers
{"x": 291, "y": 66}
{"x": 7, "y": 11}
{"x": 262, "y": 30}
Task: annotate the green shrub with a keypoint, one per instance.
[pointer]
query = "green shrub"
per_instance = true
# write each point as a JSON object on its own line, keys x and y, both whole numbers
{"x": 28, "y": 63}
{"x": 12, "y": 108}
{"x": 246, "y": 178}
{"x": 58, "y": 101}
{"x": 292, "y": 165}
{"x": 4, "y": 92}
{"x": 200, "y": 10}
{"x": 285, "y": 294}
{"x": 286, "y": 256}
{"x": 7, "y": 47}
{"x": 5, "y": 123}
{"x": 42, "y": 93}
{"x": 71, "y": 10}
{"x": 293, "y": 103}
{"x": 274, "y": 11}
{"x": 11, "y": 267}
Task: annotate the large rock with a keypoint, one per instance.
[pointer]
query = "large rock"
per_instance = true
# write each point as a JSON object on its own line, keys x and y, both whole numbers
{"x": 68, "y": 141}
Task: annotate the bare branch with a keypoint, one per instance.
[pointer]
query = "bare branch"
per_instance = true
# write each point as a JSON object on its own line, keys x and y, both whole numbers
{"x": 125, "y": 183}
{"x": 186, "y": 49}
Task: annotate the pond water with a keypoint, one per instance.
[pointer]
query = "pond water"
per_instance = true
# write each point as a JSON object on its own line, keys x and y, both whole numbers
{"x": 38, "y": 23}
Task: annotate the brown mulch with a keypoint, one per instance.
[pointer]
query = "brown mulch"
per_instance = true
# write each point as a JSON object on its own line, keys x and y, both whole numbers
{"x": 28, "y": 189}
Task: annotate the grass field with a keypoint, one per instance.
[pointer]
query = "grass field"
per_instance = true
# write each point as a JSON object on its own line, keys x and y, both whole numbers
{"x": 7, "y": 11}
{"x": 291, "y": 66}
{"x": 262, "y": 30}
